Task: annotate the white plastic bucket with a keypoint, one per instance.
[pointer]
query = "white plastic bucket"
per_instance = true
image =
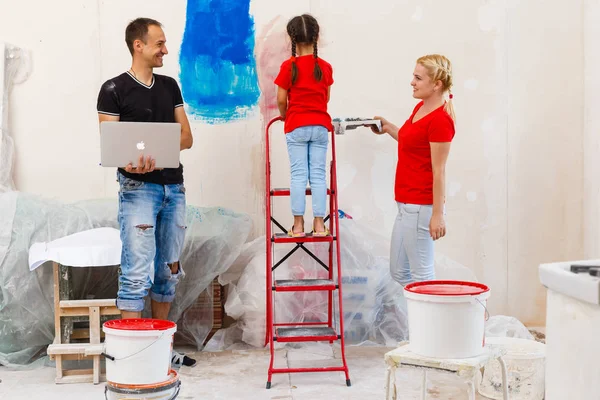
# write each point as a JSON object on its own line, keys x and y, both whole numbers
{"x": 167, "y": 390}
{"x": 138, "y": 351}
{"x": 525, "y": 361}
{"x": 446, "y": 319}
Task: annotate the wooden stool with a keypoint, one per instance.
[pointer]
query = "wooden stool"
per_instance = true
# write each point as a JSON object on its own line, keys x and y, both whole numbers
{"x": 61, "y": 350}
{"x": 466, "y": 368}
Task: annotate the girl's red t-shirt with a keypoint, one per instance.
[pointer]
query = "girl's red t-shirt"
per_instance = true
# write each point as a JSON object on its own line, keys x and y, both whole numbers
{"x": 307, "y": 97}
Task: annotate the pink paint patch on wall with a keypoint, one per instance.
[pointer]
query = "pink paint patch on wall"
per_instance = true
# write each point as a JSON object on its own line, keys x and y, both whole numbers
{"x": 271, "y": 49}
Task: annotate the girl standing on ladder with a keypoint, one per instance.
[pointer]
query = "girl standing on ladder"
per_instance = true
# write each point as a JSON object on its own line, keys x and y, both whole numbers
{"x": 304, "y": 84}
{"x": 420, "y": 190}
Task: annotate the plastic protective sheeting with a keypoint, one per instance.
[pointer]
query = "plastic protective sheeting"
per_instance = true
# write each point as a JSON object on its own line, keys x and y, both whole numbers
{"x": 374, "y": 306}
{"x": 505, "y": 326}
{"x": 214, "y": 239}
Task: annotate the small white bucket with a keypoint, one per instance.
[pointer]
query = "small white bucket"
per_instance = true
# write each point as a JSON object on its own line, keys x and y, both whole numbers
{"x": 138, "y": 351}
{"x": 446, "y": 319}
{"x": 167, "y": 390}
{"x": 526, "y": 364}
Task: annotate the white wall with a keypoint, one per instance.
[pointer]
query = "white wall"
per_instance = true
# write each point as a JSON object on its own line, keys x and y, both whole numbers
{"x": 5, "y": 170}
{"x": 591, "y": 138}
{"x": 52, "y": 115}
{"x": 515, "y": 170}
{"x": 545, "y": 125}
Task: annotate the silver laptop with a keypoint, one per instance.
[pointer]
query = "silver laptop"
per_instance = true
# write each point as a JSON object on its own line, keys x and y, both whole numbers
{"x": 122, "y": 143}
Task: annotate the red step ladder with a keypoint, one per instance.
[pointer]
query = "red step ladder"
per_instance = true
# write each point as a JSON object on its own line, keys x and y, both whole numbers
{"x": 286, "y": 332}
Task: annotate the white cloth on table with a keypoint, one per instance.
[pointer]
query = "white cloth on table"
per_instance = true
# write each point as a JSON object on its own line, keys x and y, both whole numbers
{"x": 91, "y": 248}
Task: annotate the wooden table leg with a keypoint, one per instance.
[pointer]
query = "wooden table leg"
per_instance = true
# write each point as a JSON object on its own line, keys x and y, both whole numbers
{"x": 57, "y": 331}
{"x": 57, "y": 326}
{"x": 95, "y": 339}
{"x": 424, "y": 385}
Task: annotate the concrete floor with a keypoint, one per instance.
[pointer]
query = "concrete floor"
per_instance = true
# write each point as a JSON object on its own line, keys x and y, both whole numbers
{"x": 242, "y": 374}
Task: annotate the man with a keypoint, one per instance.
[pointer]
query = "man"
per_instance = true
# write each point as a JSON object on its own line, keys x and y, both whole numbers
{"x": 151, "y": 202}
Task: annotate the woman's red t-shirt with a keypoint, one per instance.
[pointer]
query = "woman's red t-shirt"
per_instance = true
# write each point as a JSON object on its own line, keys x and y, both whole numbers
{"x": 414, "y": 173}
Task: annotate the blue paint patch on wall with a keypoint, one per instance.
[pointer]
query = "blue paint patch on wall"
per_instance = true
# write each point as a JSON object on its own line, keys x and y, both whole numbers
{"x": 218, "y": 71}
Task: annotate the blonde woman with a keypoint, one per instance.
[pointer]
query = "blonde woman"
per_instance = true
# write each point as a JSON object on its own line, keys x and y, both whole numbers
{"x": 420, "y": 190}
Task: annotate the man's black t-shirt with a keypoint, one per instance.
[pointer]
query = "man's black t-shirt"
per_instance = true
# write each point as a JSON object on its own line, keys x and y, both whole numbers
{"x": 133, "y": 101}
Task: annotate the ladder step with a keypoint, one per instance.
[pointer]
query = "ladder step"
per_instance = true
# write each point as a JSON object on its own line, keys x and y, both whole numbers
{"x": 316, "y": 369}
{"x": 87, "y": 349}
{"x": 278, "y": 192}
{"x": 87, "y": 303}
{"x": 304, "y": 334}
{"x": 303, "y": 285}
{"x": 309, "y": 238}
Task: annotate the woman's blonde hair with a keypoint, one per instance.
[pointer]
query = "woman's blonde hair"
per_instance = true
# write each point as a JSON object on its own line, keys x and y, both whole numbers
{"x": 440, "y": 69}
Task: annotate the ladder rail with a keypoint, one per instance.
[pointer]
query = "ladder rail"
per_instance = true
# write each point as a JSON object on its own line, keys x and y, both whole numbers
{"x": 336, "y": 221}
{"x": 269, "y": 244}
{"x": 333, "y": 231}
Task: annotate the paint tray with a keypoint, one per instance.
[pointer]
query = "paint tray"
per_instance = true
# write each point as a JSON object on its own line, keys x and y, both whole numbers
{"x": 342, "y": 125}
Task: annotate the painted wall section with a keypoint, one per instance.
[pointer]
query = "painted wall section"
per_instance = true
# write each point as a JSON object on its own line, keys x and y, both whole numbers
{"x": 218, "y": 71}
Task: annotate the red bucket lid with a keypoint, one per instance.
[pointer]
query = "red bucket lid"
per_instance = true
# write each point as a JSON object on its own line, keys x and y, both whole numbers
{"x": 140, "y": 324}
{"x": 447, "y": 288}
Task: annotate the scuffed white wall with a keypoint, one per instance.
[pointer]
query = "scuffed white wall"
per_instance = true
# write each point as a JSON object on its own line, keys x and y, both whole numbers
{"x": 53, "y": 114}
{"x": 515, "y": 170}
{"x": 13, "y": 70}
{"x": 591, "y": 136}
{"x": 5, "y": 171}
{"x": 545, "y": 125}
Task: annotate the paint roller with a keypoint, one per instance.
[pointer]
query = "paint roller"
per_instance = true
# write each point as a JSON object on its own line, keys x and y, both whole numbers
{"x": 340, "y": 126}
